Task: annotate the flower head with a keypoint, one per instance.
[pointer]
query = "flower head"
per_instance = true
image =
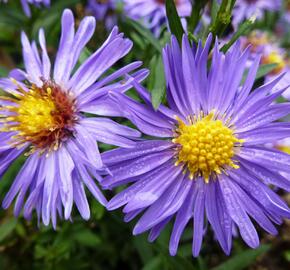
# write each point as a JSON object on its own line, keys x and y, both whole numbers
{"x": 263, "y": 44}
{"x": 153, "y": 12}
{"x": 207, "y": 155}
{"x": 245, "y": 9}
{"x": 43, "y": 116}
{"x": 25, "y": 4}
{"x": 272, "y": 54}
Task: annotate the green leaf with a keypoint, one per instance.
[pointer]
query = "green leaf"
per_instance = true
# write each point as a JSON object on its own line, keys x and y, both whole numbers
{"x": 157, "y": 81}
{"x": 87, "y": 238}
{"x": 287, "y": 255}
{"x": 192, "y": 37}
{"x": 197, "y": 8}
{"x": 154, "y": 264}
{"x": 264, "y": 70}
{"x": 85, "y": 54}
{"x": 214, "y": 10}
{"x": 97, "y": 209}
{"x": 3, "y": 72}
{"x": 201, "y": 263}
{"x": 174, "y": 21}
{"x": 139, "y": 28}
{"x": 144, "y": 248}
{"x": 223, "y": 18}
{"x": 244, "y": 28}
{"x": 243, "y": 259}
{"x": 40, "y": 251}
{"x": 178, "y": 263}
{"x": 7, "y": 228}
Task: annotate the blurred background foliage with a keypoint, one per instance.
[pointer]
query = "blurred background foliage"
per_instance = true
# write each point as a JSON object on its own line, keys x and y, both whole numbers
{"x": 105, "y": 241}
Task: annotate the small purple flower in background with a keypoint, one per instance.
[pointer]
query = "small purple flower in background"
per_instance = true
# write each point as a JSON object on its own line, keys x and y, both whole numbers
{"x": 263, "y": 44}
{"x": 286, "y": 15}
{"x": 42, "y": 115}
{"x": 272, "y": 54}
{"x": 153, "y": 12}
{"x": 103, "y": 10}
{"x": 207, "y": 156}
{"x": 282, "y": 29}
{"x": 25, "y": 4}
{"x": 245, "y": 9}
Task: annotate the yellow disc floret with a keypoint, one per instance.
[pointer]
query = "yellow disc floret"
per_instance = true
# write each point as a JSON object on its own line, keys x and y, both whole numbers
{"x": 35, "y": 112}
{"x": 284, "y": 148}
{"x": 205, "y": 146}
{"x": 41, "y": 116}
{"x": 275, "y": 58}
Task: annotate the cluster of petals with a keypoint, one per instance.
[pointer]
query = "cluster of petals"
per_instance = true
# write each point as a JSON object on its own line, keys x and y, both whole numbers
{"x": 53, "y": 180}
{"x": 161, "y": 190}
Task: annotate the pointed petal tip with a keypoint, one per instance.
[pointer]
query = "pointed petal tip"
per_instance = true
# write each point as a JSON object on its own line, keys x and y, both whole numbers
{"x": 45, "y": 221}
{"x": 137, "y": 230}
{"x": 86, "y": 216}
{"x": 172, "y": 251}
{"x": 111, "y": 205}
{"x": 5, "y": 205}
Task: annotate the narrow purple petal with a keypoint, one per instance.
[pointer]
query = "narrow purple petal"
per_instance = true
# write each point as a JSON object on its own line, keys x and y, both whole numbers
{"x": 142, "y": 148}
{"x": 65, "y": 185}
{"x": 65, "y": 47}
{"x": 238, "y": 214}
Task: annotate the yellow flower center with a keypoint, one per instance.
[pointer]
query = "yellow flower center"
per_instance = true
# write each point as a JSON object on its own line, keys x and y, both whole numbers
{"x": 284, "y": 148}
{"x": 42, "y": 116}
{"x": 275, "y": 58}
{"x": 206, "y": 146}
{"x": 35, "y": 113}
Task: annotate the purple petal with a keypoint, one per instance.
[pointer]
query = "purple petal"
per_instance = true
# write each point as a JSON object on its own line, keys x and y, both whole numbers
{"x": 149, "y": 193}
{"x": 141, "y": 165}
{"x": 147, "y": 179}
{"x": 238, "y": 214}
{"x": 91, "y": 185}
{"x": 198, "y": 218}
{"x": 80, "y": 197}
{"x": 65, "y": 167}
{"x": 98, "y": 63}
{"x": 168, "y": 204}
{"x": 31, "y": 62}
{"x": 268, "y": 158}
{"x": 142, "y": 148}
{"x": 50, "y": 169}
{"x": 182, "y": 218}
{"x": 157, "y": 229}
{"x": 218, "y": 216}
{"x": 65, "y": 47}
{"x": 88, "y": 144}
{"x": 21, "y": 183}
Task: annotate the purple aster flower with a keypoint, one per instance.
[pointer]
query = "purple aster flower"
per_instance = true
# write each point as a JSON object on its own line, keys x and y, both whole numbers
{"x": 272, "y": 54}
{"x": 103, "y": 10}
{"x": 263, "y": 44}
{"x": 207, "y": 156}
{"x": 282, "y": 28}
{"x": 25, "y": 4}
{"x": 43, "y": 117}
{"x": 244, "y": 9}
{"x": 153, "y": 12}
